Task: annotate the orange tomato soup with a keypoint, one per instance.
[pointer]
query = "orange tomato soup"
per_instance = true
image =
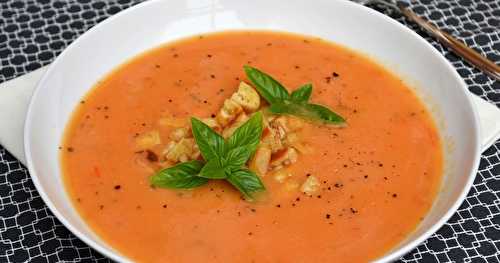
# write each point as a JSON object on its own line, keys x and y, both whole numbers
{"x": 379, "y": 174}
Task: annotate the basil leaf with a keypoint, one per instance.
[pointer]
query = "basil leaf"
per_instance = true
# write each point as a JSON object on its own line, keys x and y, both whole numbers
{"x": 237, "y": 157}
{"x": 270, "y": 89}
{"x": 287, "y": 107}
{"x": 181, "y": 176}
{"x": 248, "y": 134}
{"x": 302, "y": 94}
{"x": 324, "y": 114}
{"x": 312, "y": 112}
{"x": 247, "y": 182}
{"x": 213, "y": 170}
{"x": 210, "y": 143}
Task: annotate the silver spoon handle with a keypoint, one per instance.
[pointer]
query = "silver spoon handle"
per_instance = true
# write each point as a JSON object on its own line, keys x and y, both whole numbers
{"x": 457, "y": 46}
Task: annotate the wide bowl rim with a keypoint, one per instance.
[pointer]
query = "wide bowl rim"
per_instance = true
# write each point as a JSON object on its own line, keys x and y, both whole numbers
{"x": 389, "y": 256}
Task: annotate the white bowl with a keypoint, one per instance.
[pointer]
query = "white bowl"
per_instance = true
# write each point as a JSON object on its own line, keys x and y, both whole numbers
{"x": 150, "y": 24}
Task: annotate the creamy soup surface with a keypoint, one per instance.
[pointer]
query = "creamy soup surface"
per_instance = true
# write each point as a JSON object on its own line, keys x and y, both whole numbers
{"x": 379, "y": 174}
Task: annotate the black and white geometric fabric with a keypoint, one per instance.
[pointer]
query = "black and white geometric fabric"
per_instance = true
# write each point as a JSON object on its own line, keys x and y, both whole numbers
{"x": 33, "y": 33}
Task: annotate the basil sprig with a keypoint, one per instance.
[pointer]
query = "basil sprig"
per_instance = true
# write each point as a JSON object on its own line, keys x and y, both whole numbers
{"x": 224, "y": 159}
{"x": 297, "y": 103}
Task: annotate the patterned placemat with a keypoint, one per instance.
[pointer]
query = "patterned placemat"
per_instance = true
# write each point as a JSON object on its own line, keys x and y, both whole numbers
{"x": 33, "y": 33}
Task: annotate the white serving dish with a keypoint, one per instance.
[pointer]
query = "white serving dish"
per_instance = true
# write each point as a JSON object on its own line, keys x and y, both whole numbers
{"x": 152, "y": 23}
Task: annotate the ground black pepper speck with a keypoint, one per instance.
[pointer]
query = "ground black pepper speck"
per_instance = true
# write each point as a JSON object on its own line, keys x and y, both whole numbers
{"x": 151, "y": 156}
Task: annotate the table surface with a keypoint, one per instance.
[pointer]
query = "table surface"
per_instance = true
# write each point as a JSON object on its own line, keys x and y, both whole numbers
{"x": 33, "y": 33}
